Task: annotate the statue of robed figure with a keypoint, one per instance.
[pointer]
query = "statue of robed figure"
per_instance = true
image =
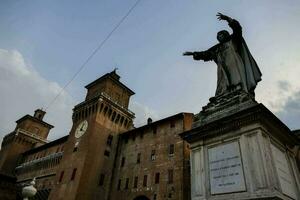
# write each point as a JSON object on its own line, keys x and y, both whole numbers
{"x": 237, "y": 69}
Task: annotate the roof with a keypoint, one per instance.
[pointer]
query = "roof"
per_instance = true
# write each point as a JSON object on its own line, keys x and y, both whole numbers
{"x": 47, "y": 145}
{"x": 178, "y": 115}
{"x": 34, "y": 119}
{"x": 112, "y": 76}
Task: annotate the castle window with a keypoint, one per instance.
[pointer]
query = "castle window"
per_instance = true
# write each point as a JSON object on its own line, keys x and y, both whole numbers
{"x": 123, "y": 162}
{"x": 109, "y": 112}
{"x": 101, "y": 180}
{"x": 118, "y": 118}
{"x": 154, "y": 197}
{"x": 142, "y": 135}
{"x": 138, "y": 160}
{"x": 170, "y": 176}
{"x": 119, "y": 184}
{"x": 135, "y": 182}
{"x": 86, "y": 112}
{"x": 90, "y": 110}
{"x": 113, "y": 116}
{"x": 145, "y": 181}
{"x": 96, "y": 107}
{"x": 105, "y": 110}
{"x": 171, "y": 149}
{"x": 172, "y": 124}
{"x": 157, "y": 178}
{"x": 122, "y": 119}
{"x": 61, "y": 176}
{"x": 101, "y": 107}
{"x": 153, "y": 155}
{"x": 106, "y": 153}
{"x": 73, "y": 174}
{"x": 127, "y": 183}
{"x": 154, "y": 129}
{"x": 125, "y": 123}
{"x": 109, "y": 140}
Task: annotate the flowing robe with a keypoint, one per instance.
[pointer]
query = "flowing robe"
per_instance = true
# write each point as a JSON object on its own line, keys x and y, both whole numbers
{"x": 236, "y": 66}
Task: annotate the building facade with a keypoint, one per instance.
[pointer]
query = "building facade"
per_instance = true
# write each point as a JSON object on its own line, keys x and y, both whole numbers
{"x": 104, "y": 156}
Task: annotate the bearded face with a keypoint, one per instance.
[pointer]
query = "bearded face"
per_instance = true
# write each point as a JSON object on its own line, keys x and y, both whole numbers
{"x": 223, "y": 36}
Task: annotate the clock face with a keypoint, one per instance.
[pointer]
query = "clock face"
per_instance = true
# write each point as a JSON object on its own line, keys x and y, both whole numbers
{"x": 81, "y": 129}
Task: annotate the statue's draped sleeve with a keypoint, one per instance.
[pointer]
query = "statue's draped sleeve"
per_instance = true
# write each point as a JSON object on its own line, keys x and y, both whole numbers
{"x": 204, "y": 55}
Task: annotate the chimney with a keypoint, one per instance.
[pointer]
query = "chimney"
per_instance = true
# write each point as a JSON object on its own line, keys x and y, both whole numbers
{"x": 149, "y": 120}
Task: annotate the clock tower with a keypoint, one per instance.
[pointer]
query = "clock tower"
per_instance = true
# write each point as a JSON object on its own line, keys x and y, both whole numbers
{"x": 86, "y": 168}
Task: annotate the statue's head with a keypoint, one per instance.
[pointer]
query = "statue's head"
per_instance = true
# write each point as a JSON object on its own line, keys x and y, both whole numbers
{"x": 223, "y": 36}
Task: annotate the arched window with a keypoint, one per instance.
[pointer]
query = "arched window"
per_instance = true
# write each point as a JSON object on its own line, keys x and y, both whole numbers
{"x": 113, "y": 116}
{"x": 105, "y": 110}
{"x": 101, "y": 107}
{"x": 118, "y": 118}
{"x": 109, "y": 112}
{"x": 122, "y": 119}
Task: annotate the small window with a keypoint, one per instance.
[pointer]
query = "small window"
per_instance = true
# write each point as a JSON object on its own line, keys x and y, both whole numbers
{"x": 170, "y": 176}
{"x": 154, "y": 129}
{"x": 170, "y": 195}
{"x": 118, "y": 118}
{"x": 61, "y": 176}
{"x": 119, "y": 184}
{"x": 127, "y": 183}
{"x": 105, "y": 110}
{"x": 73, "y": 174}
{"x": 113, "y": 116}
{"x": 172, "y": 124}
{"x": 109, "y": 140}
{"x": 135, "y": 182}
{"x": 109, "y": 112}
{"x": 154, "y": 197}
{"x": 145, "y": 181}
{"x": 142, "y": 135}
{"x": 101, "y": 179}
{"x": 138, "y": 160}
{"x": 157, "y": 178}
{"x": 106, "y": 153}
{"x": 153, "y": 155}
{"x": 75, "y": 149}
{"x": 171, "y": 149}
{"x": 123, "y": 162}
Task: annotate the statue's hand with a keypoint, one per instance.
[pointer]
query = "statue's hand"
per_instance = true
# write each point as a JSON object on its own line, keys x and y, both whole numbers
{"x": 188, "y": 53}
{"x": 223, "y": 17}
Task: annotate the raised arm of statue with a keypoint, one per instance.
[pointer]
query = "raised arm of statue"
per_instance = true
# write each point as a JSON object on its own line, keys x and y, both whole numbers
{"x": 236, "y": 28}
{"x": 234, "y": 25}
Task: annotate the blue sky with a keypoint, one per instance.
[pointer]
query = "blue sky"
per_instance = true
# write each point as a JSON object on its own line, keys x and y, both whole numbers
{"x": 43, "y": 43}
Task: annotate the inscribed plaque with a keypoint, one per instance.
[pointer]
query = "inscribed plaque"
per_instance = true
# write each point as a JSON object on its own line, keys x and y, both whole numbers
{"x": 225, "y": 169}
{"x": 284, "y": 174}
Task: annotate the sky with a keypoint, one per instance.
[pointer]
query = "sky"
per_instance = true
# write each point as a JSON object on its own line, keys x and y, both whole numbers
{"x": 43, "y": 44}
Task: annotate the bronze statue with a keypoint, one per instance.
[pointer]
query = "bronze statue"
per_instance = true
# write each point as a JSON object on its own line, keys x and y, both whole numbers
{"x": 237, "y": 69}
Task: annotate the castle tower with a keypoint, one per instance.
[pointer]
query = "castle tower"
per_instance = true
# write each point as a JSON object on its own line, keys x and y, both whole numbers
{"x": 86, "y": 168}
{"x": 31, "y": 131}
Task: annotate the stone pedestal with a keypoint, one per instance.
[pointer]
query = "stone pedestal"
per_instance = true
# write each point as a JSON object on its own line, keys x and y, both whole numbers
{"x": 241, "y": 151}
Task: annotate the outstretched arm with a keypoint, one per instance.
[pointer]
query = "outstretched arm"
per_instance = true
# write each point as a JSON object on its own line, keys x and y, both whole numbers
{"x": 201, "y": 55}
{"x": 234, "y": 24}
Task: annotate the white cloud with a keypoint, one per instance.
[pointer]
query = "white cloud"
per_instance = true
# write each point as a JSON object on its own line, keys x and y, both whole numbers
{"x": 23, "y": 90}
{"x": 142, "y": 113}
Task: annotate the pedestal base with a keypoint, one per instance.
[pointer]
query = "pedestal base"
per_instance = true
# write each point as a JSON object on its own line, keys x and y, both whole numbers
{"x": 243, "y": 155}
